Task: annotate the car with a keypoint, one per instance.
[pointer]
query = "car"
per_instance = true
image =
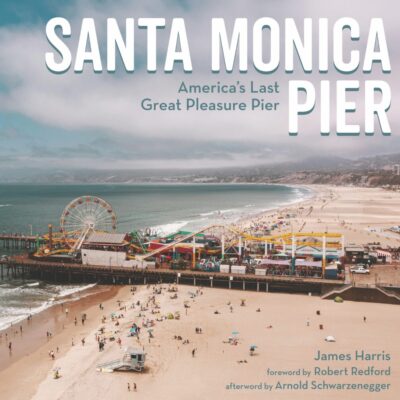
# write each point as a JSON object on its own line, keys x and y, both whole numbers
{"x": 354, "y": 267}
{"x": 360, "y": 270}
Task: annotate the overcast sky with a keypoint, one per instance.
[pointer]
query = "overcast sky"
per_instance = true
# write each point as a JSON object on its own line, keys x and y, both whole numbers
{"x": 95, "y": 121}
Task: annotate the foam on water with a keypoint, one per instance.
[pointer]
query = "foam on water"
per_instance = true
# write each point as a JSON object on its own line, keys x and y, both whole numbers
{"x": 64, "y": 291}
{"x": 229, "y": 215}
{"x": 15, "y": 295}
{"x": 172, "y": 227}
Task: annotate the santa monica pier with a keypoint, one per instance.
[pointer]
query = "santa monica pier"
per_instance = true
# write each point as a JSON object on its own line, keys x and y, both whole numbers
{"x": 87, "y": 247}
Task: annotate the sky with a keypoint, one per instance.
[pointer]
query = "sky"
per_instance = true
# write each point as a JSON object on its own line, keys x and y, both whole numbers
{"x": 94, "y": 120}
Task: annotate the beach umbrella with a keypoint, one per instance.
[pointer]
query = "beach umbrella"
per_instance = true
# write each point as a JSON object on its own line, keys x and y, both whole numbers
{"x": 254, "y": 346}
{"x": 235, "y": 333}
{"x": 330, "y": 339}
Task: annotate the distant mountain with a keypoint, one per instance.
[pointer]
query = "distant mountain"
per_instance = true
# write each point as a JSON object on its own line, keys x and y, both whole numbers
{"x": 367, "y": 171}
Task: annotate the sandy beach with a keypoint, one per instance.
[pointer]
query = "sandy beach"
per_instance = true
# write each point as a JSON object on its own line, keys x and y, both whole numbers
{"x": 363, "y": 215}
{"x": 286, "y": 329}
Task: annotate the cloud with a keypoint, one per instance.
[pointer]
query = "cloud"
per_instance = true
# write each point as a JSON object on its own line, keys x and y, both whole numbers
{"x": 106, "y": 107}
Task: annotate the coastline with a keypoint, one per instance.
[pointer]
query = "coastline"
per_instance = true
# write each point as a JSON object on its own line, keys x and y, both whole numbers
{"x": 72, "y": 295}
{"x": 52, "y": 319}
{"x": 298, "y": 202}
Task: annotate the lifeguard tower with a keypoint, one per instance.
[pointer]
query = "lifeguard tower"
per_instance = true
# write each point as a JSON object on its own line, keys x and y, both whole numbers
{"x": 133, "y": 359}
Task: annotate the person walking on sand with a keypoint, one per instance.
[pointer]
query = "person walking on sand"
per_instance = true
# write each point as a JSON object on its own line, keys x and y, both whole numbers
{"x": 193, "y": 352}
{"x": 10, "y": 347}
{"x": 134, "y": 387}
{"x": 129, "y": 387}
{"x": 66, "y": 312}
{"x": 83, "y": 341}
{"x": 75, "y": 321}
{"x": 365, "y": 318}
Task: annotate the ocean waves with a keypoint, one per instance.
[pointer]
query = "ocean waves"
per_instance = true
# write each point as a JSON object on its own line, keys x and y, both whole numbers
{"x": 20, "y": 299}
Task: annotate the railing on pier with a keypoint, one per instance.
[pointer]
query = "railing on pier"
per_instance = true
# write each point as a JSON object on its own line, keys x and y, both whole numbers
{"x": 74, "y": 272}
{"x": 18, "y": 241}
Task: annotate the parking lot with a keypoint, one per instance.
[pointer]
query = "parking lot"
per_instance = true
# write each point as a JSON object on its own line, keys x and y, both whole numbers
{"x": 386, "y": 275}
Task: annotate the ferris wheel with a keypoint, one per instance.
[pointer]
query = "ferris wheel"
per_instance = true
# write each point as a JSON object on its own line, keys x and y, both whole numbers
{"x": 84, "y": 215}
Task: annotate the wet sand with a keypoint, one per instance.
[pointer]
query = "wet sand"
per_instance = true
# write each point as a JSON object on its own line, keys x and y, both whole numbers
{"x": 29, "y": 362}
{"x": 53, "y": 320}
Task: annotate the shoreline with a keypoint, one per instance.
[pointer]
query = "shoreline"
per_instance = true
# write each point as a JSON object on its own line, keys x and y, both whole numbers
{"x": 75, "y": 295}
{"x": 313, "y": 194}
{"x": 52, "y": 319}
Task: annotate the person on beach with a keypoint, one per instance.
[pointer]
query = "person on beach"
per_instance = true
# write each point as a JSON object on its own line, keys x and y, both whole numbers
{"x": 193, "y": 352}
{"x": 76, "y": 321}
{"x": 83, "y": 341}
{"x": 365, "y": 318}
{"x": 10, "y": 347}
{"x": 66, "y": 312}
{"x": 129, "y": 387}
{"x": 134, "y": 387}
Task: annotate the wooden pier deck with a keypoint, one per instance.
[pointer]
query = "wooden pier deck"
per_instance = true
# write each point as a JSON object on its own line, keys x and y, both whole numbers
{"x": 24, "y": 267}
{"x": 18, "y": 241}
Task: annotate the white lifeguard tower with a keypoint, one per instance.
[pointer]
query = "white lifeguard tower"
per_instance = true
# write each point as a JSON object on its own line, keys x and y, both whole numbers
{"x": 133, "y": 359}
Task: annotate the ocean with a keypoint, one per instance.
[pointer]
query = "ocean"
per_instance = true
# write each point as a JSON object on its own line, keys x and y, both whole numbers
{"x": 164, "y": 208}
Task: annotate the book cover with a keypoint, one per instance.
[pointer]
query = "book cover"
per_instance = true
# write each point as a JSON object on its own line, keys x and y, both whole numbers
{"x": 199, "y": 200}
